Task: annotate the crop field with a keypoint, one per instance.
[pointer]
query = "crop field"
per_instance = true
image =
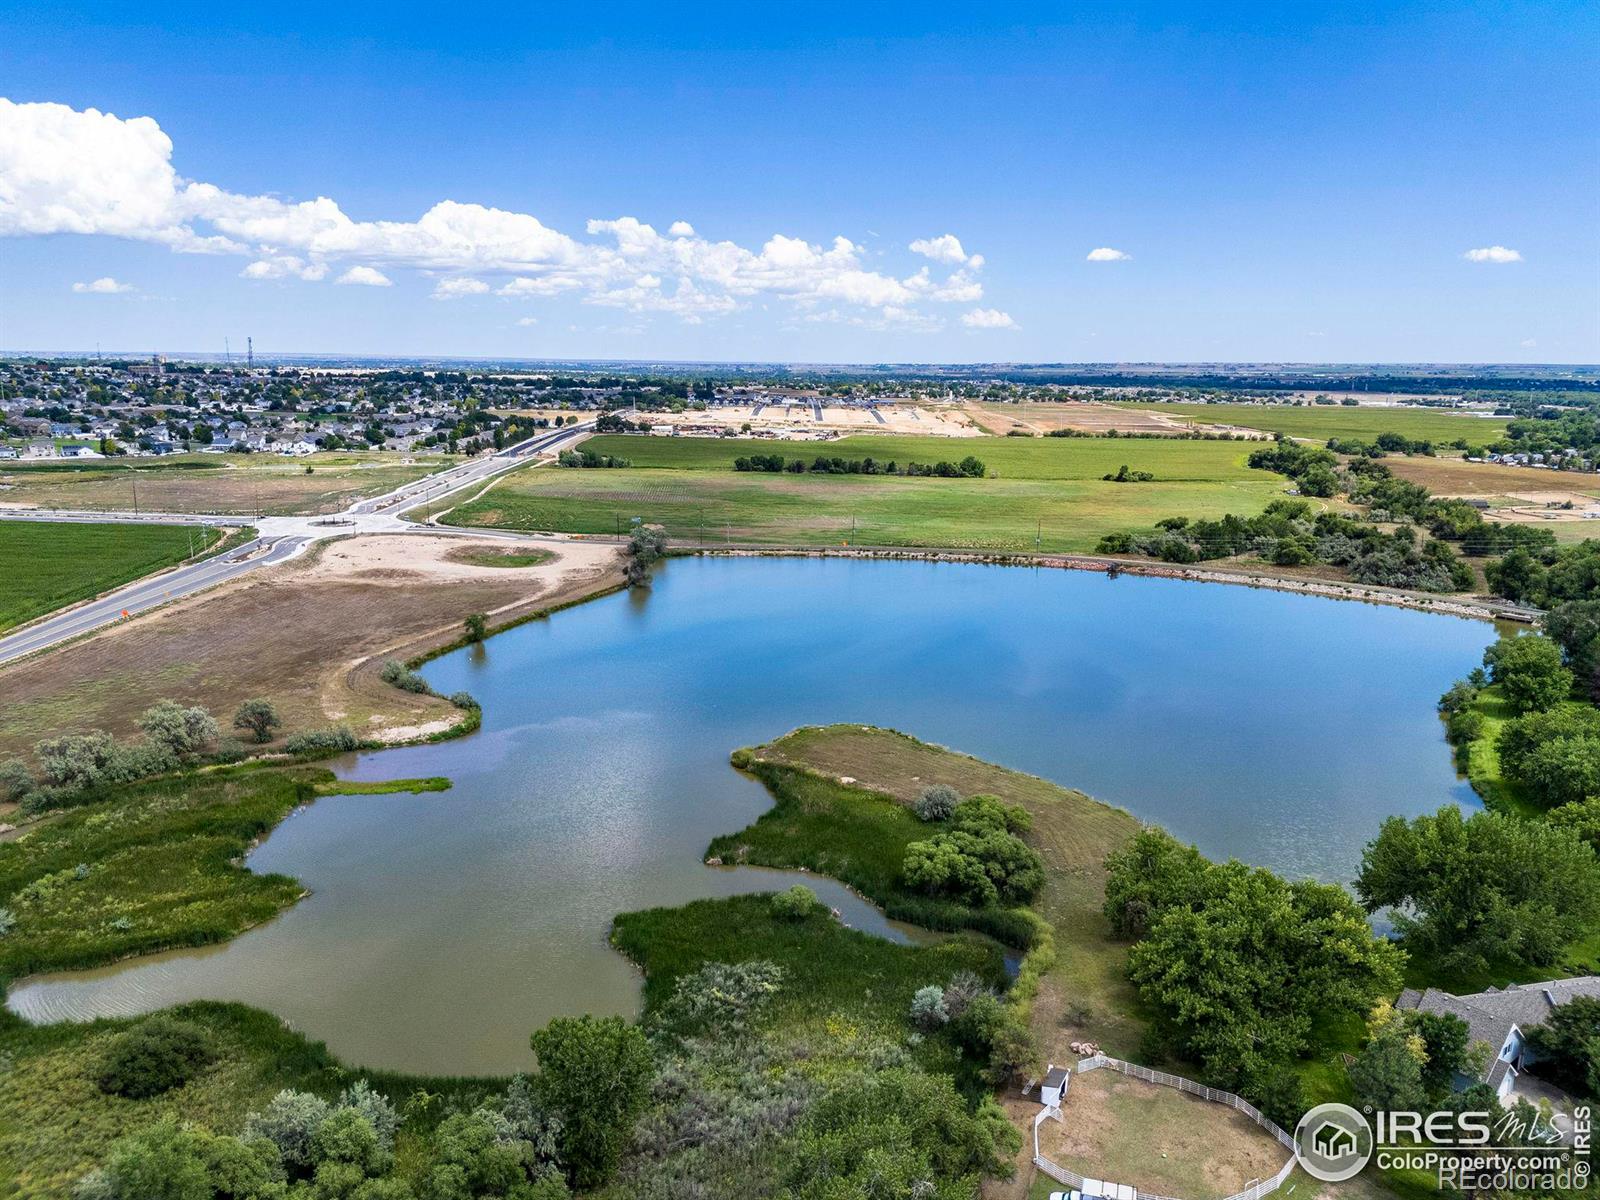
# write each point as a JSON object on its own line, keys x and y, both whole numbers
{"x": 53, "y": 564}
{"x": 1044, "y": 493}
{"x": 1321, "y": 421}
{"x": 213, "y": 483}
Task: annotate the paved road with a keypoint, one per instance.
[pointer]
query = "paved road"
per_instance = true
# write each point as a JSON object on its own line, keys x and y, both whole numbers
{"x": 281, "y": 539}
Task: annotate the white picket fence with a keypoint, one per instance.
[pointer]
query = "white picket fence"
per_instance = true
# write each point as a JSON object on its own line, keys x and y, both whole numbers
{"x": 1256, "y": 1190}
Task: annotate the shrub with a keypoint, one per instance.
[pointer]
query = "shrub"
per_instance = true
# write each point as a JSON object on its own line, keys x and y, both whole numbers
{"x": 795, "y": 903}
{"x": 722, "y": 997}
{"x": 936, "y": 803}
{"x": 376, "y": 1108}
{"x": 316, "y": 741}
{"x": 403, "y": 677}
{"x": 8, "y": 921}
{"x": 289, "y": 1123}
{"x": 154, "y": 1056}
{"x": 464, "y": 701}
{"x": 980, "y": 860}
{"x": 181, "y": 730}
{"x": 928, "y": 1011}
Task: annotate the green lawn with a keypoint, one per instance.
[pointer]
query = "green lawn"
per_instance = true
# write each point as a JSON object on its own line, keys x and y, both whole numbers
{"x": 1323, "y": 421}
{"x": 54, "y": 564}
{"x": 1044, "y": 492}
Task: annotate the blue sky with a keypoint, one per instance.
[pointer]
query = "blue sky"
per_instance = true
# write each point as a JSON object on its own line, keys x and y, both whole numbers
{"x": 1286, "y": 182}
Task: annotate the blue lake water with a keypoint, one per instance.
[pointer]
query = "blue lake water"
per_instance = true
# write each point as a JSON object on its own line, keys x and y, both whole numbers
{"x": 442, "y": 928}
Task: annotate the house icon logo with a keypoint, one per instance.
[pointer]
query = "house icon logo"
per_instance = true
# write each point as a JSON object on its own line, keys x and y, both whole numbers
{"x": 1333, "y": 1142}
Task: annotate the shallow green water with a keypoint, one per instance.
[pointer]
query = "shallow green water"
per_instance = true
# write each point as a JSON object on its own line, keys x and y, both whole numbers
{"x": 443, "y": 928}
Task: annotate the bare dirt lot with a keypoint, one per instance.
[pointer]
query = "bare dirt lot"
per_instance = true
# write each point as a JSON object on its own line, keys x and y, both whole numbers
{"x": 1086, "y": 417}
{"x": 798, "y": 421}
{"x": 1454, "y": 477}
{"x": 1157, "y": 1138}
{"x": 310, "y": 635}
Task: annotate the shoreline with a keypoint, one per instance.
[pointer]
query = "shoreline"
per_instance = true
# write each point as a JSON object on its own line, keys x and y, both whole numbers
{"x": 1480, "y": 608}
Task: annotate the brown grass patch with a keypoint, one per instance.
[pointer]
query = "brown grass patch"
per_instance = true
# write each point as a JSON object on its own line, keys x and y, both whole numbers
{"x": 1157, "y": 1138}
{"x": 309, "y": 635}
{"x": 1456, "y": 477}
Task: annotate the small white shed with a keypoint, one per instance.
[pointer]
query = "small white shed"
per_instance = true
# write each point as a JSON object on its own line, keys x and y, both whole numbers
{"x": 1054, "y": 1086}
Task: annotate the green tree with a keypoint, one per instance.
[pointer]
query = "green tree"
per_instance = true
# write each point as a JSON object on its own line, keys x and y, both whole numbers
{"x": 1468, "y": 889}
{"x": 259, "y": 717}
{"x": 1530, "y": 671}
{"x": 477, "y": 626}
{"x": 1580, "y": 818}
{"x": 1446, "y": 1046}
{"x": 593, "y": 1075}
{"x": 1387, "y": 1074}
{"x": 896, "y": 1133}
{"x": 1568, "y": 1042}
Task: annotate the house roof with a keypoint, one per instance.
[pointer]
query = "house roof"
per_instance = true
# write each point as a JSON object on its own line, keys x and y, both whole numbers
{"x": 1055, "y": 1077}
{"x": 1490, "y": 1015}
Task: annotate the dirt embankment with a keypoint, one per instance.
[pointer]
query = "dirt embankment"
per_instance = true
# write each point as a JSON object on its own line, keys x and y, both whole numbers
{"x": 1486, "y": 608}
{"x": 310, "y": 635}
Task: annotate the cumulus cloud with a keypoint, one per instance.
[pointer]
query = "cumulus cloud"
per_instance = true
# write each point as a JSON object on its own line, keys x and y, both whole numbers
{"x": 93, "y": 173}
{"x": 946, "y": 248}
{"x": 285, "y": 266}
{"x": 1493, "y": 254}
{"x": 1107, "y": 254}
{"x": 458, "y": 286}
{"x": 987, "y": 318}
{"x": 365, "y": 277}
{"x": 527, "y": 321}
{"x": 104, "y": 286}
{"x": 1529, "y": 343}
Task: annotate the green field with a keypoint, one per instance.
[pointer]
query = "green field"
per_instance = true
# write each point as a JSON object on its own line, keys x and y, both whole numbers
{"x": 55, "y": 564}
{"x": 1323, "y": 421}
{"x": 213, "y": 483}
{"x": 1044, "y": 492}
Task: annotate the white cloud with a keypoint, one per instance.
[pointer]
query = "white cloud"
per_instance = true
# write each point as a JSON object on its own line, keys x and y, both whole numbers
{"x": 1107, "y": 254}
{"x": 1493, "y": 254}
{"x": 987, "y": 318}
{"x": 1529, "y": 343}
{"x": 365, "y": 277}
{"x": 93, "y": 173}
{"x": 527, "y": 321}
{"x": 104, "y": 286}
{"x": 946, "y": 248}
{"x": 458, "y": 286}
{"x": 285, "y": 266}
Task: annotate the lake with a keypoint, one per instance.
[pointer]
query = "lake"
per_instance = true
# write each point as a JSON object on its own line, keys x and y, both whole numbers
{"x": 443, "y": 928}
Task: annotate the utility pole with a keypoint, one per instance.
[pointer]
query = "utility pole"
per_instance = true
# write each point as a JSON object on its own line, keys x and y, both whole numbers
{"x": 133, "y": 478}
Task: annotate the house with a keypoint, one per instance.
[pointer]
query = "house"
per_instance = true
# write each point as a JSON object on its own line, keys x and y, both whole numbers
{"x": 1500, "y": 1018}
{"x": 1054, "y": 1087}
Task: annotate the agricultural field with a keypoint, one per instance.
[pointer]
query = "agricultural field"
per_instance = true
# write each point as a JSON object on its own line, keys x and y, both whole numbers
{"x": 1040, "y": 417}
{"x": 1044, "y": 493}
{"x": 228, "y": 484}
{"x": 54, "y": 564}
{"x": 1319, "y": 422}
